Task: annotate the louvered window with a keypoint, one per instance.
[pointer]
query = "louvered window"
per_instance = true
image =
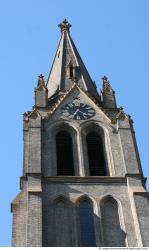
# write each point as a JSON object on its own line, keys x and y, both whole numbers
{"x": 96, "y": 159}
{"x": 64, "y": 151}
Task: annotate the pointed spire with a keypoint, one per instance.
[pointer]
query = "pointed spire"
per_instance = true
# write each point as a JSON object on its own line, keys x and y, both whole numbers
{"x": 65, "y": 25}
{"x": 67, "y": 66}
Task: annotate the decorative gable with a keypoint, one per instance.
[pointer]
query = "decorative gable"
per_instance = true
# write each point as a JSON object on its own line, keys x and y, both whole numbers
{"x": 77, "y": 105}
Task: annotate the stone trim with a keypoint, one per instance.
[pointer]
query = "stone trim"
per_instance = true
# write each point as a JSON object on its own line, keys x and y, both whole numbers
{"x": 86, "y": 179}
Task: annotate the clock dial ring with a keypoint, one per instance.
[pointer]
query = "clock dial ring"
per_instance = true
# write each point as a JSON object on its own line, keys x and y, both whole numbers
{"x": 79, "y": 111}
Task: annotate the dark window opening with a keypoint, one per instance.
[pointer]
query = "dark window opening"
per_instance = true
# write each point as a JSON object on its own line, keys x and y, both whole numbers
{"x": 64, "y": 154}
{"x": 96, "y": 158}
{"x": 87, "y": 224}
{"x": 71, "y": 71}
{"x": 58, "y": 54}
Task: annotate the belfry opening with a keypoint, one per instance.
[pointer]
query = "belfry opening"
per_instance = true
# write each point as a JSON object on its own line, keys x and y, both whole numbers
{"x": 96, "y": 159}
{"x": 64, "y": 150}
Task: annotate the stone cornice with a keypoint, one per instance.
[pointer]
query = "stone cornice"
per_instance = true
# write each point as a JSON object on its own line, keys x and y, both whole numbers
{"x": 85, "y": 179}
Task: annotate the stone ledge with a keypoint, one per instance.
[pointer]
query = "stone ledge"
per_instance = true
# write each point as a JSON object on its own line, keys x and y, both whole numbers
{"x": 86, "y": 179}
{"x": 34, "y": 189}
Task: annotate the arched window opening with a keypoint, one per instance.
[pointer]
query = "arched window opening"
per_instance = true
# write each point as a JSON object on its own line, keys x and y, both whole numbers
{"x": 113, "y": 235}
{"x": 62, "y": 224}
{"x": 64, "y": 152}
{"x": 86, "y": 218}
{"x": 96, "y": 158}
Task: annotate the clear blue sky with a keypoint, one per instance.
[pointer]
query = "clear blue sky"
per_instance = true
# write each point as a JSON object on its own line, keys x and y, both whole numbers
{"x": 112, "y": 37}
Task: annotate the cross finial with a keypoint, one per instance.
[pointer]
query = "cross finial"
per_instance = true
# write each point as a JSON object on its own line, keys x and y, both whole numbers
{"x": 65, "y": 25}
{"x": 105, "y": 79}
{"x": 41, "y": 76}
{"x": 40, "y": 80}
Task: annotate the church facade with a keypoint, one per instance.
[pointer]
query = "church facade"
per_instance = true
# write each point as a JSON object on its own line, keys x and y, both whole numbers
{"x": 82, "y": 182}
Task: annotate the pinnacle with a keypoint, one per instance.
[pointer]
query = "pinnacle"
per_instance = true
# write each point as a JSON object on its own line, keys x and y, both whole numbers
{"x": 65, "y": 25}
{"x": 106, "y": 84}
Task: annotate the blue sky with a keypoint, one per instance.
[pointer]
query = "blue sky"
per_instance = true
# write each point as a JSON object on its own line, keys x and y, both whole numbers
{"x": 112, "y": 37}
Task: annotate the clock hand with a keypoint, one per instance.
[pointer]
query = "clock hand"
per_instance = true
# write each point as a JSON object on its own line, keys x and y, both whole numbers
{"x": 81, "y": 112}
{"x": 75, "y": 113}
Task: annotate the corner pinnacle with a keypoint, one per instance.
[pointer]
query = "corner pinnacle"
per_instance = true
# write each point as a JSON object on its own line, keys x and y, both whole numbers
{"x": 106, "y": 85}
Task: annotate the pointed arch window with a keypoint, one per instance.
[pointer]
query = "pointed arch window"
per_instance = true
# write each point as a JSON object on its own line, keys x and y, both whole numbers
{"x": 62, "y": 223}
{"x": 65, "y": 165}
{"x": 113, "y": 235}
{"x": 96, "y": 157}
{"x": 87, "y": 232}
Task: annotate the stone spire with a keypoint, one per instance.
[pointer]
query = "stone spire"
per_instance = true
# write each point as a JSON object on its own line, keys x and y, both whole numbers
{"x": 68, "y": 65}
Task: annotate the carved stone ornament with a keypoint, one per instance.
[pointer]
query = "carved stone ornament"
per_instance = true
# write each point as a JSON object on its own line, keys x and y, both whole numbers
{"x": 34, "y": 114}
{"x": 121, "y": 115}
{"x": 65, "y": 25}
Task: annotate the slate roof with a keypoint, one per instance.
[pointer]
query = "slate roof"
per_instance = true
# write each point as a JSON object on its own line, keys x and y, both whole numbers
{"x": 68, "y": 56}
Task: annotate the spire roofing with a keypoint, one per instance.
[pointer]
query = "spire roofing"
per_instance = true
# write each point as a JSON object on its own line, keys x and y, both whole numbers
{"x": 68, "y": 66}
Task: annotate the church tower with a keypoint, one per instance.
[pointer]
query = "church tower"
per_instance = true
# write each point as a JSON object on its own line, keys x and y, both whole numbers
{"x": 82, "y": 182}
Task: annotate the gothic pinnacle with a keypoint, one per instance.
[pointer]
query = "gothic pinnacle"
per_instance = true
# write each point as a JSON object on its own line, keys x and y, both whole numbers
{"x": 65, "y": 25}
{"x": 106, "y": 84}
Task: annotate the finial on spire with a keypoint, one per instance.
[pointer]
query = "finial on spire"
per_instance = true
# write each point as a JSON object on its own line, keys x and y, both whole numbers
{"x": 40, "y": 80}
{"x": 65, "y": 25}
{"x": 105, "y": 79}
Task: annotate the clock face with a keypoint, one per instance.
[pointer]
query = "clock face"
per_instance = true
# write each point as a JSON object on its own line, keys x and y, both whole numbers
{"x": 79, "y": 111}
